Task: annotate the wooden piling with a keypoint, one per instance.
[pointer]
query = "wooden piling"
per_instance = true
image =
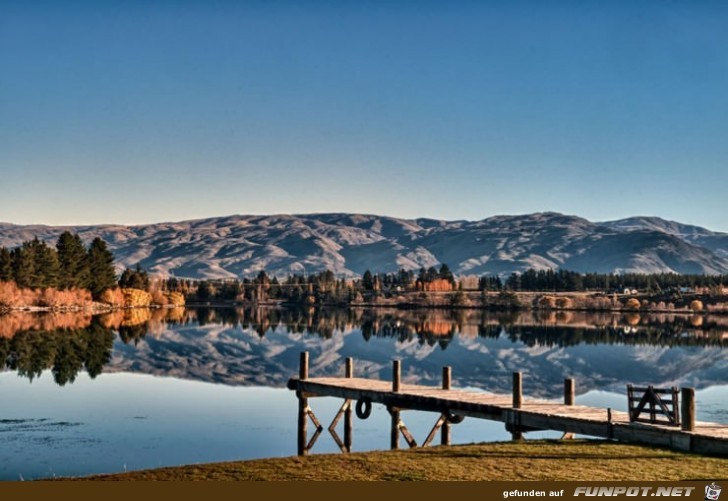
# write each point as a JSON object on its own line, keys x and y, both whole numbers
{"x": 302, "y": 424}
{"x": 303, "y": 366}
{"x": 446, "y": 384}
{"x": 517, "y": 390}
{"x": 302, "y": 407}
{"x": 396, "y": 375}
{"x": 569, "y": 391}
{"x": 568, "y": 400}
{"x": 348, "y": 414}
{"x": 394, "y": 433}
{"x": 516, "y": 433}
{"x": 688, "y": 409}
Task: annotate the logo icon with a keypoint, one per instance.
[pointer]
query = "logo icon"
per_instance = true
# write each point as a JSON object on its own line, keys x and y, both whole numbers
{"x": 712, "y": 492}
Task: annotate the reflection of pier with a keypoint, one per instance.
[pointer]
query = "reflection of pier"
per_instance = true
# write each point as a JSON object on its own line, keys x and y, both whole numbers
{"x": 518, "y": 414}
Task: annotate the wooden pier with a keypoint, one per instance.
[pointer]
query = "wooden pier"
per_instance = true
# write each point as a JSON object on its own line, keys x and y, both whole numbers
{"x": 519, "y": 415}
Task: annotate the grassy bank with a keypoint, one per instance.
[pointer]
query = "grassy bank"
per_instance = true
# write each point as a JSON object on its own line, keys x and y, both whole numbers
{"x": 527, "y": 460}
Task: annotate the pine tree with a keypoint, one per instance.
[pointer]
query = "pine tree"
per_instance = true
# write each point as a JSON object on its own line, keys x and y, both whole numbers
{"x": 446, "y": 274}
{"x": 134, "y": 279}
{"x": 6, "y": 265}
{"x": 72, "y": 260}
{"x": 100, "y": 263}
{"x": 23, "y": 265}
{"x": 35, "y": 265}
{"x": 47, "y": 267}
{"x": 367, "y": 281}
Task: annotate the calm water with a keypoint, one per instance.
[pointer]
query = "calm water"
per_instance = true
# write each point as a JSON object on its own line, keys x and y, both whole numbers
{"x": 143, "y": 389}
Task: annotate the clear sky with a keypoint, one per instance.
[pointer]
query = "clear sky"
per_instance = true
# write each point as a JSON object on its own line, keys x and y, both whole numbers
{"x": 134, "y": 112}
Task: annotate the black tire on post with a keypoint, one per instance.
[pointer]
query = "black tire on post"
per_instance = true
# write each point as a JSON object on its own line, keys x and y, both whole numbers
{"x": 454, "y": 418}
{"x": 363, "y": 408}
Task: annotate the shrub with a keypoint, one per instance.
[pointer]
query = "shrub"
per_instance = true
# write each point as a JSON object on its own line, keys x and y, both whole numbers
{"x": 547, "y": 302}
{"x": 696, "y": 305}
{"x": 136, "y": 298}
{"x": 633, "y": 304}
{"x": 175, "y": 298}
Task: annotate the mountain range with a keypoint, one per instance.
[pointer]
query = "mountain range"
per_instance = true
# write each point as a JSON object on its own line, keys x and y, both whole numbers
{"x": 349, "y": 244}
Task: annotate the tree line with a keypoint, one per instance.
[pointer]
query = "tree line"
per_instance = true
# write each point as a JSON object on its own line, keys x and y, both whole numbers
{"x": 571, "y": 281}
{"x": 325, "y": 288}
{"x": 68, "y": 265}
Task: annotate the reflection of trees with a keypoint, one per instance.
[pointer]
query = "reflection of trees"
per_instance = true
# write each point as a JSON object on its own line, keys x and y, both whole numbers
{"x": 64, "y": 351}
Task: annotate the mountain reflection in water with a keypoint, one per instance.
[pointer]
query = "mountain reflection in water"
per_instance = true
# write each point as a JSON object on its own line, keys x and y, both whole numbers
{"x": 260, "y": 346}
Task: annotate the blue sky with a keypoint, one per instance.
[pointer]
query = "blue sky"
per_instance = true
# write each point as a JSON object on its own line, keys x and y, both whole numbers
{"x": 134, "y": 112}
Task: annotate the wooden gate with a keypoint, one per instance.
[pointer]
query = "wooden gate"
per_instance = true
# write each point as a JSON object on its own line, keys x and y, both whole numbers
{"x": 661, "y": 404}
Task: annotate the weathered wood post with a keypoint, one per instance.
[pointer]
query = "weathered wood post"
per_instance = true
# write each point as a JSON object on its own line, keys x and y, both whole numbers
{"x": 688, "y": 409}
{"x": 348, "y": 420}
{"x": 393, "y": 411}
{"x": 517, "y": 390}
{"x": 446, "y": 383}
{"x": 302, "y": 406}
{"x": 516, "y": 433}
{"x": 568, "y": 400}
{"x": 569, "y": 391}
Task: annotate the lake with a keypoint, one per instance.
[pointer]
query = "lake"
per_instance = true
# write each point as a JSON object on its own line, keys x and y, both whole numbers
{"x": 137, "y": 389}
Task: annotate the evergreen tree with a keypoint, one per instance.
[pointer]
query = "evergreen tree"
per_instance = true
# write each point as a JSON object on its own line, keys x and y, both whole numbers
{"x": 72, "y": 260}
{"x": 367, "y": 281}
{"x": 6, "y": 265}
{"x": 446, "y": 274}
{"x": 100, "y": 263}
{"x": 23, "y": 265}
{"x": 204, "y": 291}
{"x": 134, "y": 279}
{"x": 46, "y": 267}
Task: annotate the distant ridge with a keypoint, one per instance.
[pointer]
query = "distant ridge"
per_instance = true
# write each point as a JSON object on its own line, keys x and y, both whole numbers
{"x": 349, "y": 244}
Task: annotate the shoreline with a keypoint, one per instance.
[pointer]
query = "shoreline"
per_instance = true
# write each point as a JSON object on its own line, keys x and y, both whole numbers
{"x": 597, "y": 460}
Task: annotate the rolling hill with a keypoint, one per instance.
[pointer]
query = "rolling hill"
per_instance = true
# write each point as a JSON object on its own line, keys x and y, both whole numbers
{"x": 349, "y": 244}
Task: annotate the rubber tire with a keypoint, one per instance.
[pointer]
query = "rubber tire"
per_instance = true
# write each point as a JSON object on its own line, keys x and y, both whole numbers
{"x": 363, "y": 408}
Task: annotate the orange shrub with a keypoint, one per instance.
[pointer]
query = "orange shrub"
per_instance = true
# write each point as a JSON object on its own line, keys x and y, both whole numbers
{"x": 136, "y": 298}
{"x": 547, "y": 302}
{"x": 633, "y": 304}
{"x": 12, "y": 296}
{"x": 564, "y": 302}
{"x": 159, "y": 298}
{"x": 175, "y": 298}
{"x": 113, "y": 297}
{"x": 74, "y": 298}
{"x": 438, "y": 285}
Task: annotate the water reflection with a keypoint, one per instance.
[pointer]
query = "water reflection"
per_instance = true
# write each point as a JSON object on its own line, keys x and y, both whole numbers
{"x": 64, "y": 351}
{"x": 260, "y": 346}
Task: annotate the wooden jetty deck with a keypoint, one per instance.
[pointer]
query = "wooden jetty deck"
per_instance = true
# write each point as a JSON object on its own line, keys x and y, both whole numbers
{"x": 519, "y": 415}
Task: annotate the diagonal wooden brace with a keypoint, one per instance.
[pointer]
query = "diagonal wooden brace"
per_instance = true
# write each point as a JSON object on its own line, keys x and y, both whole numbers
{"x": 438, "y": 424}
{"x": 319, "y": 428}
{"x": 332, "y": 427}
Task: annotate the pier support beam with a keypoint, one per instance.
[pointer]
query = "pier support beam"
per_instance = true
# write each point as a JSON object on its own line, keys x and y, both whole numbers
{"x": 569, "y": 399}
{"x": 446, "y": 383}
{"x": 394, "y": 412}
{"x": 687, "y": 408}
{"x": 394, "y": 433}
{"x": 569, "y": 391}
{"x": 516, "y": 433}
{"x": 302, "y": 407}
{"x": 348, "y": 419}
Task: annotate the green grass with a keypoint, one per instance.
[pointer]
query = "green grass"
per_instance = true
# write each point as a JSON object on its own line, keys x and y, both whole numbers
{"x": 525, "y": 460}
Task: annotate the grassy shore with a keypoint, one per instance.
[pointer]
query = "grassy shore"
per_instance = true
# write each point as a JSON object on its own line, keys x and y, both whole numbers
{"x": 526, "y": 460}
